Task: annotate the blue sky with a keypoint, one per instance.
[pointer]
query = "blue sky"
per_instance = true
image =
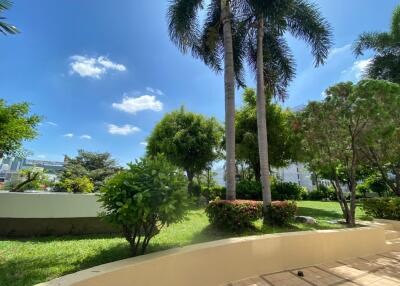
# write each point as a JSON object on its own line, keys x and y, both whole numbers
{"x": 102, "y": 74}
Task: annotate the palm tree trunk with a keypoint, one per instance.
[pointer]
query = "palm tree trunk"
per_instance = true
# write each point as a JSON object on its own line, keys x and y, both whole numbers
{"x": 262, "y": 117}
{"x": 229, "y": 80}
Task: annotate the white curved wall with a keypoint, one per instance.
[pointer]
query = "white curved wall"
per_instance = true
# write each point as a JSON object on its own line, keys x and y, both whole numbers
{"x": 216, "y": 263}
{"x": 48, "y": 205}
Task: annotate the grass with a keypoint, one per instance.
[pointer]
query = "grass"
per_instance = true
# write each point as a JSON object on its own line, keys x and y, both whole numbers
{"x": 30, "y": 261}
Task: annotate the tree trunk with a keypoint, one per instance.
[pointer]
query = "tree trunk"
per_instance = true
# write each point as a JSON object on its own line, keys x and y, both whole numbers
{"x": 262, "y": 117}
{"x": 229, "y": 79}
{"x": 18, "y": 188}
{"x": 190, "y": 185}
{"x": 342, "y": 201}
{"x": 397, "y": 180}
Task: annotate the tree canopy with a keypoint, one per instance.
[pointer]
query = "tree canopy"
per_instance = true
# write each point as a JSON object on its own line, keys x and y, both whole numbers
{"x": 16, "y": 125}
{"x": 335, "y": 131}
{"x": 188, "y": 140}
{"x": 282, "y": 143}
{"x": 93, "y": 165}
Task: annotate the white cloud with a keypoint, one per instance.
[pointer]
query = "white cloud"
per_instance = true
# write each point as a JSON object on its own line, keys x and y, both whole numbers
{"x": 68, "y": 135}
{"x": 93, "y": 67}
{"x": 135, "y": 104}
{"x": 144, "y": 143}
{"x": 51, "y": 123}
{"x": 357, "y": 69}
{"x": 85, "y": 136}
{"x": 122, "y": 130}
{"x": 41, "y": 156}
{"x": 154, "y": 90}
{"x": 339, "y": 50}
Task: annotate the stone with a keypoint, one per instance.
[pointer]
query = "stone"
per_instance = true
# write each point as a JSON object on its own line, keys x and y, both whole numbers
{"x": 306, "y": 219}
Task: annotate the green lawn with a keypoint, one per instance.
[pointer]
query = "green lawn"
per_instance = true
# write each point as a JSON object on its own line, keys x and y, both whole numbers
{"x": 31, "y": 261}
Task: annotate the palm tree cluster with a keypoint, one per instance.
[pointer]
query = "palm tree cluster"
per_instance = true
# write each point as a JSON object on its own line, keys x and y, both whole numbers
{"x": 4, "y": 27}
{"x": 386, "y": 62}
{"x": 238, "y": 31}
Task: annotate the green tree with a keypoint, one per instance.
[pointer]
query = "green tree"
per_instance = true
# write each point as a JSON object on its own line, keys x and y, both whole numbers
{"x": 381, "y": 146}
{"x": 93, "y": 165}
{"x": 143, "y": 199}
{"x": 16, "y": 125}
{"x": 386, "y": 45}
{"x": 215, "y": 40}
{"x": 282, "y": 143}
{"x": 334, "y": 133}
{"x": 6, "y": 28}
{"x": 190, "y": 141}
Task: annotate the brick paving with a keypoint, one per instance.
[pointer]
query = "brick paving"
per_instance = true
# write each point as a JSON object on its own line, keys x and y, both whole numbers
{"x": 376, "y": 270}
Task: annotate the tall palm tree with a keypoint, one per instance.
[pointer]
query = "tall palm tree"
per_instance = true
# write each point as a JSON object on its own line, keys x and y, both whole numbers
{"x": 186, "y": 33}
{"x": 386, "y": 62}
{"x": 267, "y": 22}
{"x": 4, "y": 27}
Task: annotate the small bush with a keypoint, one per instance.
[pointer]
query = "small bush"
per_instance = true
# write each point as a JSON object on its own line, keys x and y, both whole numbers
{"x": 386, "y": 208}
{"x": 322, "y": 193}
{"x": 376, "y": 184}
{"x": 249, "y": 190}
{"x": 233, "y": 215}
{"x": 213, "y": 193}
{"x": 149, "y": 195}
{"x": 282, "y": 191}
{"x": 77, "y": 185}
{"x": 280, "y": 213}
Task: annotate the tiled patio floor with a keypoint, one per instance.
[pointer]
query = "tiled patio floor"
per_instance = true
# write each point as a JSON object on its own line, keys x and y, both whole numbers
{"x": 376, "y": 270}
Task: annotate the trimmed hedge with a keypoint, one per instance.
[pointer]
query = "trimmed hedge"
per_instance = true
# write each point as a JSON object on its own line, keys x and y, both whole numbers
{"x": 233, "y": 215}
{"x": 387, "y": 208}
{"x": 251, "y": 190}
{"x": 280, "y": 213}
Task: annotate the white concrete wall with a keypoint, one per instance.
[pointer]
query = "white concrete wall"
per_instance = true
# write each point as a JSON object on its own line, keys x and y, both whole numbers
{"x": 48, "y": 205}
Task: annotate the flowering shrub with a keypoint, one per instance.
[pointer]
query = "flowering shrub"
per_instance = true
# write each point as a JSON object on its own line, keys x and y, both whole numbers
{"x": 233, "y": 215}
{"x": 388, "y": 208}
{"x": 280, "y": 212}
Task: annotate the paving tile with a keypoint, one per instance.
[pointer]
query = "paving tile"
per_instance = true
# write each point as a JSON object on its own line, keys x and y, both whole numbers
{"x": 361, "y": 264}
{"x": 319, "y": 277}
{"x": 382, "y": 260}
{"x": 343, "y": 271}
{"x": 285, "y": 279}
{"x": 393, "y": 254}
{"x": 374, "y": 279}
{"x": 252, "y": 281}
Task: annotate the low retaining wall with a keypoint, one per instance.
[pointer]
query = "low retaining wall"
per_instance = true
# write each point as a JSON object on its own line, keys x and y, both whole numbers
{"x": 44, "y": 213}
{"x": 219, "y": 262}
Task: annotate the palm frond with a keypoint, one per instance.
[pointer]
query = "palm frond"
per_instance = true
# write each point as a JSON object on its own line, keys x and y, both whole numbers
{"x": 279, "y": 64}
{"x": 6, "y": 28}
{"x": 379, "y": 42}
{"x": 306, "y": 22}
{"x": 183, "y": 24}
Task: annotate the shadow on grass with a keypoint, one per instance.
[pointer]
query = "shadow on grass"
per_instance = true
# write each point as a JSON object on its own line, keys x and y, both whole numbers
{"x": 319, "y": 213}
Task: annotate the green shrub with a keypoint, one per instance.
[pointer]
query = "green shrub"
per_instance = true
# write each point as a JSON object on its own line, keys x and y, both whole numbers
{"x": 362, "y": 190}
{"x": 233, "y": 215}
{"x": 282, "y": 191}
{"x": 213, "y": 193}
{"x": 149, "y": 195}
{"x": 280, "y": 213}
{"x": 249, "y": 190}
{"x": 322, "y": 193}
{"x": 376, "y": 184}
{"x": 78, "y": 185}
{"x": 386, "y": 208}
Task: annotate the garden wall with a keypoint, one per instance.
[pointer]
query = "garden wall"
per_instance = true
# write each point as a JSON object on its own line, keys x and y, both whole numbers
{"x": 44, "y": 213}
{"x": 216, "y": 263}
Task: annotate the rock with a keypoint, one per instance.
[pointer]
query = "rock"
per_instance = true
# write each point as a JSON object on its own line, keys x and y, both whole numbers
{"x": 306, "y": 219}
